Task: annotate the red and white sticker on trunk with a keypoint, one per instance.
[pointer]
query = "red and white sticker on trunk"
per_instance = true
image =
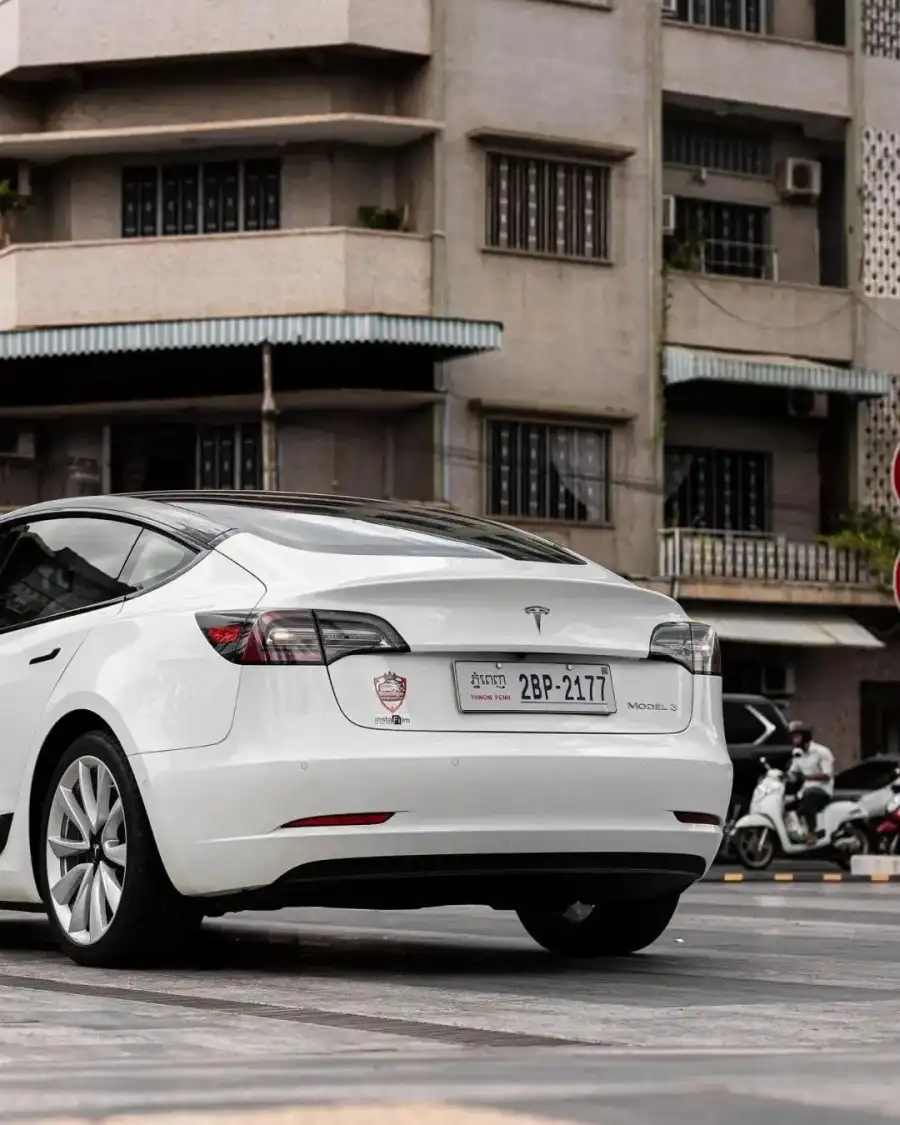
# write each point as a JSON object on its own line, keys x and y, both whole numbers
{"x": 391, "y": 691}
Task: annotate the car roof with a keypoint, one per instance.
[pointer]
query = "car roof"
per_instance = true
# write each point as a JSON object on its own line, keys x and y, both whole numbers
{"x": 192, "y": 526}
{"x": 742, "y": 697}
{"x": 874, "y": 759}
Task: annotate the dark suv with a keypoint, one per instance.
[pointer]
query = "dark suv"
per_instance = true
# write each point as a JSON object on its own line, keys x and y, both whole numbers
{"x": 754, "y": 728}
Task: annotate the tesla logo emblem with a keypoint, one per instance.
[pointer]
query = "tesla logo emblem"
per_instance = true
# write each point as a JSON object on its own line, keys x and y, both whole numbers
{"x": 537, "y": 612}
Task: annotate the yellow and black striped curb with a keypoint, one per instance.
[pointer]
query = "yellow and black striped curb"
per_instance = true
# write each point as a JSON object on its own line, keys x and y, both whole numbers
{"x": 794, "y": 877}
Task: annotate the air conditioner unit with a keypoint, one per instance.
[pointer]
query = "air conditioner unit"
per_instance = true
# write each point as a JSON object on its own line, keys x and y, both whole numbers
{"x": 777, "y": 679}
{"x": 669, "y": 207}
{"x": 16, "y": 443}
{"x": 800, "y": 179}
{"x": 669, "y": 8}
{"x": 802, "y": 403}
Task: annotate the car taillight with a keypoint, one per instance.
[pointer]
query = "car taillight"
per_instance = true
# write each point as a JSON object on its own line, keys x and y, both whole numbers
{"x": 297, "y": 636}
{"x": 689, "y": 643}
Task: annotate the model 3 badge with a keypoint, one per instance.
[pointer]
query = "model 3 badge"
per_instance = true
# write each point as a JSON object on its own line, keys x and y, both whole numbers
{"x": 537, "y": 612}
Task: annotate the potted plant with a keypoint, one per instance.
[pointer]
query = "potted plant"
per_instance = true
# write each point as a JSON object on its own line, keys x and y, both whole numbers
{"x": 11, "y": 203}
{"x": 383, "y": 218}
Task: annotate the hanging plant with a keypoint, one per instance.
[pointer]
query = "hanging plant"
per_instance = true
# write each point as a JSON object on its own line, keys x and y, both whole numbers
{"x": 875, "y": 535}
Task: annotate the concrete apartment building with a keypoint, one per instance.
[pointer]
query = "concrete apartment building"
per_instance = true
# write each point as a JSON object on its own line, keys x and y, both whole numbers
{"x": 626, "y": 272}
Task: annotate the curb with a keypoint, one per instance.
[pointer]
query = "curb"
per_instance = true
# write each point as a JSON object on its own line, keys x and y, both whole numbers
{"x": 795, "y": 877}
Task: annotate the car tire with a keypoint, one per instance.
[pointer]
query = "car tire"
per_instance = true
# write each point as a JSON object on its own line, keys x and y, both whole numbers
{"x": 108, "y": 897}
{"x": 614, "y": 929}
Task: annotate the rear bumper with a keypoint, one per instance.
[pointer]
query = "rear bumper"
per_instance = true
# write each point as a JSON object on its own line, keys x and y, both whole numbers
{"x": 505, "y": 881}
{"x": 474, "y": 815}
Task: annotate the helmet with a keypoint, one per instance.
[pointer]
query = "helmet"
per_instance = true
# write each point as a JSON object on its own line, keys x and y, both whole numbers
{"x": 801, "y": 727}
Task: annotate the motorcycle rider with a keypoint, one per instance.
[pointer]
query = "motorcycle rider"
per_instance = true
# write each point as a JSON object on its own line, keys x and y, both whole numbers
{"x": 815, "y": 764}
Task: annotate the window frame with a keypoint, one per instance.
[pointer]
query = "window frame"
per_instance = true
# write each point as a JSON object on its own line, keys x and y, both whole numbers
{"x": 710, "y": 133}
{"x": 21, "y": 521}
{"x": 716, "y": 210}
{"x": 560, "y": 423}
{"x": 714, "y": 453}
{"x": 243, "y": 163}
{"x": 765, "y": 10}
{"x": 606, "y": 166}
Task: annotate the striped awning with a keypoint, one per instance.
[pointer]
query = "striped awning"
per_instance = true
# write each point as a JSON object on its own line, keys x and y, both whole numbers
{"x": 687, "y": 365}
{"x": 443, "y": 336}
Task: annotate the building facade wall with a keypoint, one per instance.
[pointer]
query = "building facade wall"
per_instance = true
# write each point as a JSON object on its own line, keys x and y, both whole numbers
{"x": 828, "y": 693}
{"x": 551, "y": 85}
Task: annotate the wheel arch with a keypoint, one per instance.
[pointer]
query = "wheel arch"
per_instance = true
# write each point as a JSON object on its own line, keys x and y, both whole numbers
{"x": 57, "y": 740}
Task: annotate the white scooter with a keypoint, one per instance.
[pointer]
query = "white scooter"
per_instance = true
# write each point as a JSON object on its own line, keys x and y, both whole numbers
{"x": 771, "y": 828}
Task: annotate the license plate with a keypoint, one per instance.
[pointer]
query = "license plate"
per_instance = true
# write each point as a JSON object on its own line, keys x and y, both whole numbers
{"x": 553, "y": 688}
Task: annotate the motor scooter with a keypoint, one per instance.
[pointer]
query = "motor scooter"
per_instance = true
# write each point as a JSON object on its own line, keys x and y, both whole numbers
{"x": 888, "y": 831}
{"x": 771, "y": 827}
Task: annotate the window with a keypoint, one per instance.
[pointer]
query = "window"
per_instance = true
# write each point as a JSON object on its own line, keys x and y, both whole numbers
{"x": 230, "y": 457}
{"x": 361, "y": 527}
{"x": 718, "y": 489}
{"x": 722, "y": 238}
{"x": 548, "y": 207}
{"x": 548, "y": 472}
{"x": 60, "y": 565}
{"x": 737, "y": 15}
{"x": 717, "y": 149}
{"x": 214, "y": 198}
{"x": 154, "y": 558}
{"x": 742, "y": 726}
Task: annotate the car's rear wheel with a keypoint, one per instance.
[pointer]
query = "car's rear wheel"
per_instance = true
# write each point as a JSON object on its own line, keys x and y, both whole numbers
{"x": 107, "y": 894}
{"x": 611, "y": 929}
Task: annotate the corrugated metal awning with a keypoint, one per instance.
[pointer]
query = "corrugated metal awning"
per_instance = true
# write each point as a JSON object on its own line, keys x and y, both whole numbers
{"x": 803, "y": 631}
{"x": 444, "y": 336}
{"x": 686, "y": 365}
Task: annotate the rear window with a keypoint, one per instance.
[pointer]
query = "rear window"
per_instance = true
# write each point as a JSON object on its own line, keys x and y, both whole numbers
{"x": 348, "y": 528}
{"x": 758, "y": 723}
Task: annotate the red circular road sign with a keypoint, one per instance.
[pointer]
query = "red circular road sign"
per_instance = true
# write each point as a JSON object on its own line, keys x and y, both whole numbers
{"x": 897, "y": 580}
{"x": 895, "y": 474}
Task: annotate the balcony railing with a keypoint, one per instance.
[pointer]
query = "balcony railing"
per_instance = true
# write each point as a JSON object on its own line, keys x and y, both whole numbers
{"x": 727, "y": 259}
{"x": 691, "y": 554}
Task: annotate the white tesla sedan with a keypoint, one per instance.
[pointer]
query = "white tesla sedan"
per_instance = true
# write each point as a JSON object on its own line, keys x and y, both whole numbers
{"x": 218, "y": 701}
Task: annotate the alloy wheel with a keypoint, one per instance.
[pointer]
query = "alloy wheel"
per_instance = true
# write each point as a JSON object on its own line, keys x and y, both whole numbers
{"x": 86, "y": 850}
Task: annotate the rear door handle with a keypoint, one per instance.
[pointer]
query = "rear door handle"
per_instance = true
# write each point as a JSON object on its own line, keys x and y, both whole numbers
{"x": 52, "y": 655}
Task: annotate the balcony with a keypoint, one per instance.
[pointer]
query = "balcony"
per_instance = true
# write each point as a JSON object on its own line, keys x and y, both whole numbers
{"x": 762, "y": 316}
{"x": 158, "y": 279}
{"x": 48, "y": 33}
{"x": 740, "y": 68}
{"x": 737, "y": 566}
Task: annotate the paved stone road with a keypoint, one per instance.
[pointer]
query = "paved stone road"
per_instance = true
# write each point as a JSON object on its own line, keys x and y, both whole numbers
{"x": 761, "y": 1004}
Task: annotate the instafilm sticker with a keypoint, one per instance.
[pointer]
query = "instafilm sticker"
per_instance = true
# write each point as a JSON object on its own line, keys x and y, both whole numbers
{"x": 391, "y": 691}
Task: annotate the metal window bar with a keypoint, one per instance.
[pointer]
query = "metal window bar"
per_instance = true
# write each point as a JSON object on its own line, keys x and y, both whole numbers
{"x": 719, "y": 150}
{"x": 548, "y": 207}
{"x": 753, "y": 16}
{"x": 541, "y": 471}
{"x": 184, "y": 199}
{"x": 722, "y": 490}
